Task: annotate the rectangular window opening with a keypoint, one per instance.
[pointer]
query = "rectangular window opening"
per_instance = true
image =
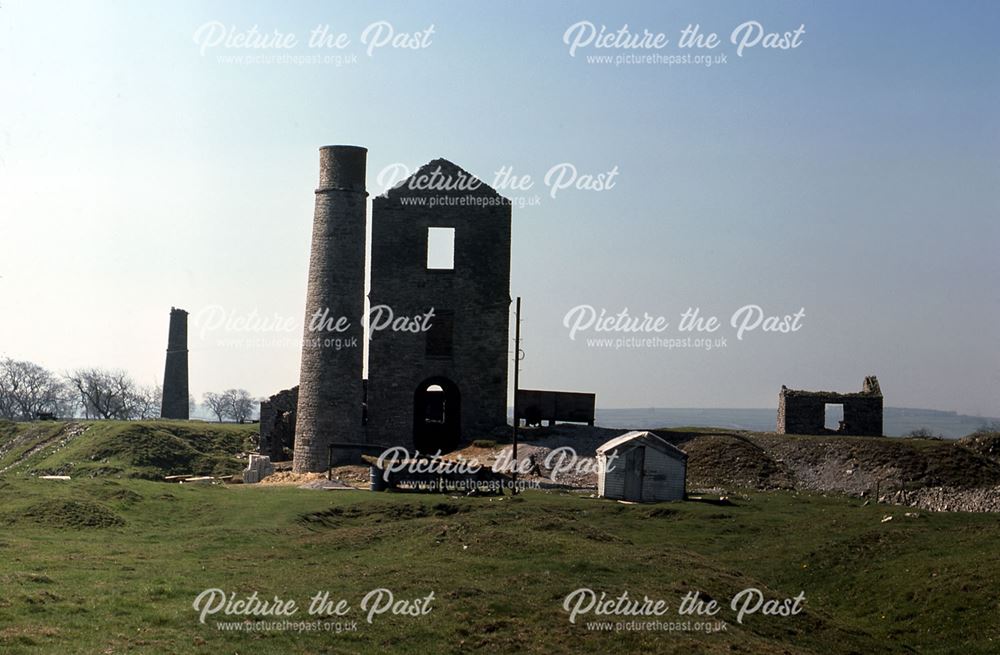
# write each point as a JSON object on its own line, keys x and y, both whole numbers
{"x": 441, "y": 248}
{"x": 834, "y": 416}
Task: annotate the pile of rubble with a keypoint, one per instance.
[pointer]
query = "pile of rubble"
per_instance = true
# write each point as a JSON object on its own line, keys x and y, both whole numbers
{"x": 947, "y": 499}
{"x": 549, "y": 466}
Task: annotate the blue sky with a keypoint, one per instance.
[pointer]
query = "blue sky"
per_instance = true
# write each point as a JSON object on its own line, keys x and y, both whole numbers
{"x": 855, "y": 176}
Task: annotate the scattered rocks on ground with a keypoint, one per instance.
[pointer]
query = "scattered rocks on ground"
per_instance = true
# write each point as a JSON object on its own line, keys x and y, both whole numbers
{"x": 948, "y": 499}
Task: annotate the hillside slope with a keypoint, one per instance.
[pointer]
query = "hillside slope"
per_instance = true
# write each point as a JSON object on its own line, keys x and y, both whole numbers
{"x": 139, "y": 449}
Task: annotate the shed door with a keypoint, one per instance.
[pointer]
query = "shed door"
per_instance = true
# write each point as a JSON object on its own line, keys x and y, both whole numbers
{"x": 634, "y": 463}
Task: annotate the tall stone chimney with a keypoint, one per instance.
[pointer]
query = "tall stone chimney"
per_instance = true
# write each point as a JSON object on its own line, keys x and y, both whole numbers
{"x": 330, "y": 387}
{"x": 175, "y": 374}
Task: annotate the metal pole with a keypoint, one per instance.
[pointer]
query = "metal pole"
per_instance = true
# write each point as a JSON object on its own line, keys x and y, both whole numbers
{"x": 517, "y": 366}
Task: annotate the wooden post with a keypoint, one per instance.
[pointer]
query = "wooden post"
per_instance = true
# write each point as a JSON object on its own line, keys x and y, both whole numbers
{"x": 517, "y": 367}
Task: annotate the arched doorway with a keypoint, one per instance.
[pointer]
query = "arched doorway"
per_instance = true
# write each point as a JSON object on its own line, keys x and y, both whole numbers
{"x": 436, "y": 415}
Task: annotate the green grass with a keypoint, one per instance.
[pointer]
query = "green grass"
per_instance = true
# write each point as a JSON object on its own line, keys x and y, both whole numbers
{"x": 113, "y": 566}
{"x": 143, "y": 449}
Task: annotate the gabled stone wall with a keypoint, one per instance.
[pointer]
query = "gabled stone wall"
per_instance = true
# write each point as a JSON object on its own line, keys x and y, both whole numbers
{"x": 474, "y": 298}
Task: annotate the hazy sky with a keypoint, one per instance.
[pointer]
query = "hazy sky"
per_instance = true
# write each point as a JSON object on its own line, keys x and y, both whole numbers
{"x": 855, "y": 176}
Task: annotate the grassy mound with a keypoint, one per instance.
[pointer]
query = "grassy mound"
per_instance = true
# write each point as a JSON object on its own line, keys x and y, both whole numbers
{"x": 141, "y": 449}
{"x": 154, "y": 450}
{"x": 721, "y": 459}
{"x": 72, "y": 514}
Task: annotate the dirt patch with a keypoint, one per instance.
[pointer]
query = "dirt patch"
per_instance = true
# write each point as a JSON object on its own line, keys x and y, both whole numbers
{"x": 354, "y": 476}
{"x": 289, "y": 478}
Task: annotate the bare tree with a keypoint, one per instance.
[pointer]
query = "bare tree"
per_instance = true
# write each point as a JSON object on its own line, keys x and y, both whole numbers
{"x": 107, "y": 394}
{"x": 239, "y": 404}
{"x": 8, "y": 387}
{"x": 147, "y": 402}
{"x": 28, "y": 390}
{"x": 217, "y": 404}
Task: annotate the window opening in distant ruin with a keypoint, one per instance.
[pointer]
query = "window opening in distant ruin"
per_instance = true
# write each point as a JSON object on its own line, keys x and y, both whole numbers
{"x": 441, "y": 248}
{"x": 834, "y": 416}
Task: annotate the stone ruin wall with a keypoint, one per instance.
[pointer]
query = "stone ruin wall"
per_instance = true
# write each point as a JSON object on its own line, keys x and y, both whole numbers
{"x": 804, "y": 412}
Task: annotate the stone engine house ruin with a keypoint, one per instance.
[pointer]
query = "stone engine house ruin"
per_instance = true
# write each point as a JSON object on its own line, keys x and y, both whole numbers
{"x": 452, "y": 379}
{"x": 804, "y": 412}
{"x": 442, "y": 253}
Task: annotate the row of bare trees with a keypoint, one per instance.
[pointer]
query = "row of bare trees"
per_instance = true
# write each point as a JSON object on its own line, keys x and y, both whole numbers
{"x": 113, "y": 394}
{"x": 236, "y": 404}
{"x": 28, "y": 391}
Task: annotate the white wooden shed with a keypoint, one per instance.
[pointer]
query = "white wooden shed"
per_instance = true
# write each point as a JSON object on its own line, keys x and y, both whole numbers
{"x": 641, "y": 467}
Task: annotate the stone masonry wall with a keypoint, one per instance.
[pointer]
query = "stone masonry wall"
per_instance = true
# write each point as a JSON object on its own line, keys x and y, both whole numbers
{"x": 804, "y": 412}
{"x": 277, "y": 423}
{"x": 477, "y": 292}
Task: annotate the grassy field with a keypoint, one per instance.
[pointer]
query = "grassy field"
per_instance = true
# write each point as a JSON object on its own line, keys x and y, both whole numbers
{"x": 143, "y": 449}
{"x": 113, "y": 566}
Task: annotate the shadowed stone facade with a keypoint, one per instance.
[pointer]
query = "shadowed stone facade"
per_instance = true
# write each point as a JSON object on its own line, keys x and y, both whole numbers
{"x": 277, "y": 424}
{"x": 804, "y": 412}
{"x": 330, "y": 392}
{"x": 427, "y": 388}
{"x": 174, "y": 403}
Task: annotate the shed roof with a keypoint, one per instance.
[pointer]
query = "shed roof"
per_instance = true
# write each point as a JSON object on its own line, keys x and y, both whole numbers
{"x": 641, "y": 438}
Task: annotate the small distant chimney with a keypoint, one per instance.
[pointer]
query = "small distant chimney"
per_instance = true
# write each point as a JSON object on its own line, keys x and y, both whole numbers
{"x": 175, "y": 374}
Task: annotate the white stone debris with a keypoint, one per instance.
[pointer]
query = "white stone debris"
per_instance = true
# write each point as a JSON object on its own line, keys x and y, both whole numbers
{"x": 258, "y": 468}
